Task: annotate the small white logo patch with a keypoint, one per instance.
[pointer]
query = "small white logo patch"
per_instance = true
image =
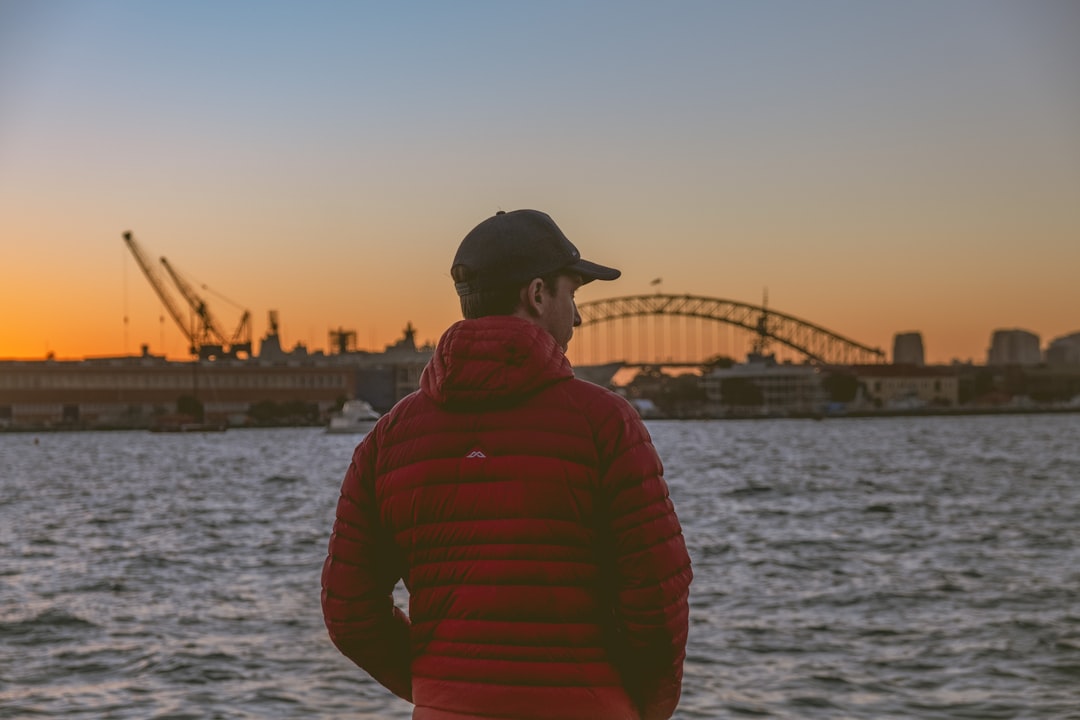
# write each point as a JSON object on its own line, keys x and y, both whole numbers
{"x": 476, "y": 454}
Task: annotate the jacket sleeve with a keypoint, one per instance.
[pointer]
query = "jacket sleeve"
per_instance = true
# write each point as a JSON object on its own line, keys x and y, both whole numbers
{"x": 358, "y": 580}
{"x": 651, "y": 571}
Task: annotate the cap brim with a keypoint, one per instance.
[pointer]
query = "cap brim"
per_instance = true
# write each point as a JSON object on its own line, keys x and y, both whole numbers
{"x": 590, "y": 271}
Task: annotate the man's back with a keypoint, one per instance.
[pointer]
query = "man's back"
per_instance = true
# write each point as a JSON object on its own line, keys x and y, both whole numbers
{"x": 527, "y": 514}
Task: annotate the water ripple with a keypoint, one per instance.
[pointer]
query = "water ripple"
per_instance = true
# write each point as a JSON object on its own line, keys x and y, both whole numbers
{"x": 894, "y": 568}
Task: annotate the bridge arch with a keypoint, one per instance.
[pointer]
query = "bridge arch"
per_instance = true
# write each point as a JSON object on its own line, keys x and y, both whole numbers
{"x": 815, "y": 343}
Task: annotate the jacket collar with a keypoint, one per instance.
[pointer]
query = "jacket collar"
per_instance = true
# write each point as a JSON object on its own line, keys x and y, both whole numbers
{"x": 494, "y": 360}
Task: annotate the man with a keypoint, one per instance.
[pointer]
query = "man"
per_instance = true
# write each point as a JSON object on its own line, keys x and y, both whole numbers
{"x": 524, "y": 509}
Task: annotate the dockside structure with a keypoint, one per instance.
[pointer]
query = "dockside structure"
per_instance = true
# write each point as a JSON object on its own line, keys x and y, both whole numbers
{"x": 134, "y": 391}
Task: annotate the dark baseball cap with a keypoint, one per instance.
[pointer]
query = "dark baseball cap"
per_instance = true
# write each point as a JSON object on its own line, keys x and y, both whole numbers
{"x": 512, "y": 248}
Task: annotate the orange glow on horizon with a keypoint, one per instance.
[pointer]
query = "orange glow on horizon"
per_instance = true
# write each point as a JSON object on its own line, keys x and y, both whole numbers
{"x": 74, "y": 305}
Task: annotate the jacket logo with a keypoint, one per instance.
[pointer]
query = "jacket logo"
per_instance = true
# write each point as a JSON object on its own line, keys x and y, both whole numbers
{"x": 476, "y": 454}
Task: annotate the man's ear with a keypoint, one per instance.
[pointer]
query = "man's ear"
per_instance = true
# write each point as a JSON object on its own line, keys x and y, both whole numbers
{"x": 532, "y": 297}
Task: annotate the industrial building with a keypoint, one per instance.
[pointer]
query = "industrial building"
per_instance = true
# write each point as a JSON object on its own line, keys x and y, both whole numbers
{"x": 149, "y": 391}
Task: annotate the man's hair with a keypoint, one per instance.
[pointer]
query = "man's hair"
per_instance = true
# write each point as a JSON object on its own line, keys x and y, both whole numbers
{"x": 497, "y": 301}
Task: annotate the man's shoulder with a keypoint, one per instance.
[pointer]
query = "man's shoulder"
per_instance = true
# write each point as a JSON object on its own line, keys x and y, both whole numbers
{"x": 615, "y": 424}
{"x": 599, "y": 404}
{"x": 599, "y": 401}
{"x": 592, "y": 390}
{"x": 408, "y": 406}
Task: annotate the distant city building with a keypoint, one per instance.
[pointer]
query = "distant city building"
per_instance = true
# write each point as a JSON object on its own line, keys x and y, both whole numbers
{"x": 1064, "y": 350}
{"x": 1014, "y": 347}
{"x": 1054, "y": 384}
{"x": 906, "y": 387}
{"x": 783, "y": 388}
{"x": 908, "y": 349}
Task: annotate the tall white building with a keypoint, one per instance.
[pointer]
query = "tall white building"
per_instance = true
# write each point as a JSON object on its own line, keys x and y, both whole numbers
{"x": 1014, "y": 347}
{"x": 908, "y": 349}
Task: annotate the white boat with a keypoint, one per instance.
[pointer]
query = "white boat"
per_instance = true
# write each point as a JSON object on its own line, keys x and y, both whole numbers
{"x": 356, "y": 416}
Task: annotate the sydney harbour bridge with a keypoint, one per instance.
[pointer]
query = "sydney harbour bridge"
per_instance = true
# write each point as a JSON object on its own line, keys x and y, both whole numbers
{"x": 689, "y": 330}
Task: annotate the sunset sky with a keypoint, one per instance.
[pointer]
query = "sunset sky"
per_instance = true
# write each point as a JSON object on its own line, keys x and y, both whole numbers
{"x": 879, "y": 167}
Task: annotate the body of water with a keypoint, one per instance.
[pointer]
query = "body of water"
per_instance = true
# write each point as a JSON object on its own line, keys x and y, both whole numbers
{"x": 878, "y": 568}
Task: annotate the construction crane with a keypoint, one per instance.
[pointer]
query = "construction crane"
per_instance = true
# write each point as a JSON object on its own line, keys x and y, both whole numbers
{"x": 210, "y": 341}
{"x": 159, "y": 287}
{"x": 240, "y": 341}
{"x": 204, "y": 337}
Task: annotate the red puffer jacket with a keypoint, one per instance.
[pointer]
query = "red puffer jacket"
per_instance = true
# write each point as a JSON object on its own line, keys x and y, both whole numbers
{"x": 527, "y": 514}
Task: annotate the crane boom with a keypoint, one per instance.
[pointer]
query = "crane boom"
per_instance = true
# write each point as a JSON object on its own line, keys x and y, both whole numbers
{"x": 241, "y": 338}
{"x": 211, "y": 338}
{"x": 240, "y": 342}
{"x": 159, "y": 288}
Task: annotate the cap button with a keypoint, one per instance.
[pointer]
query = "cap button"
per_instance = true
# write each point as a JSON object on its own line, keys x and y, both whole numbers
{"x": 501, "y": 212}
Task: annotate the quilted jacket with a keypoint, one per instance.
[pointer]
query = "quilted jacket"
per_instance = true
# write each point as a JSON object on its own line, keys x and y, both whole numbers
{"x": 527, "y": 515}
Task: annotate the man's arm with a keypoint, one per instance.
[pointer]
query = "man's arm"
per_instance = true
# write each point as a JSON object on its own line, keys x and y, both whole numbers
{"x": 358, "y": 580}
{"x": 652, "y": 570}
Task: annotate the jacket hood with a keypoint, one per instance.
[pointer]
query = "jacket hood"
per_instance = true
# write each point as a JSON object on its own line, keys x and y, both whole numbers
{"x": 495, "y": 359}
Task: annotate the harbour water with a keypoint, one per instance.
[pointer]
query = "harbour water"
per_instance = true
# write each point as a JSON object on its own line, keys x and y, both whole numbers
{"x": 874, "y": 568}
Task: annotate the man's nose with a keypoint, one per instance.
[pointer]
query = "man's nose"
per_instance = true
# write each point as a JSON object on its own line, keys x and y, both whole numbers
{"x": 577, "y": 318}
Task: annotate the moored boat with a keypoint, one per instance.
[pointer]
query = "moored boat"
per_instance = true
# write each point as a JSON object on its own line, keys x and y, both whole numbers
{"x": 356, "y": 416}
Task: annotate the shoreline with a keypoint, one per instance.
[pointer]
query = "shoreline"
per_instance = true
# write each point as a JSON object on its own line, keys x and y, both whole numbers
{"x": 872, "y": 414}
{"x": 853, "y": 414}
